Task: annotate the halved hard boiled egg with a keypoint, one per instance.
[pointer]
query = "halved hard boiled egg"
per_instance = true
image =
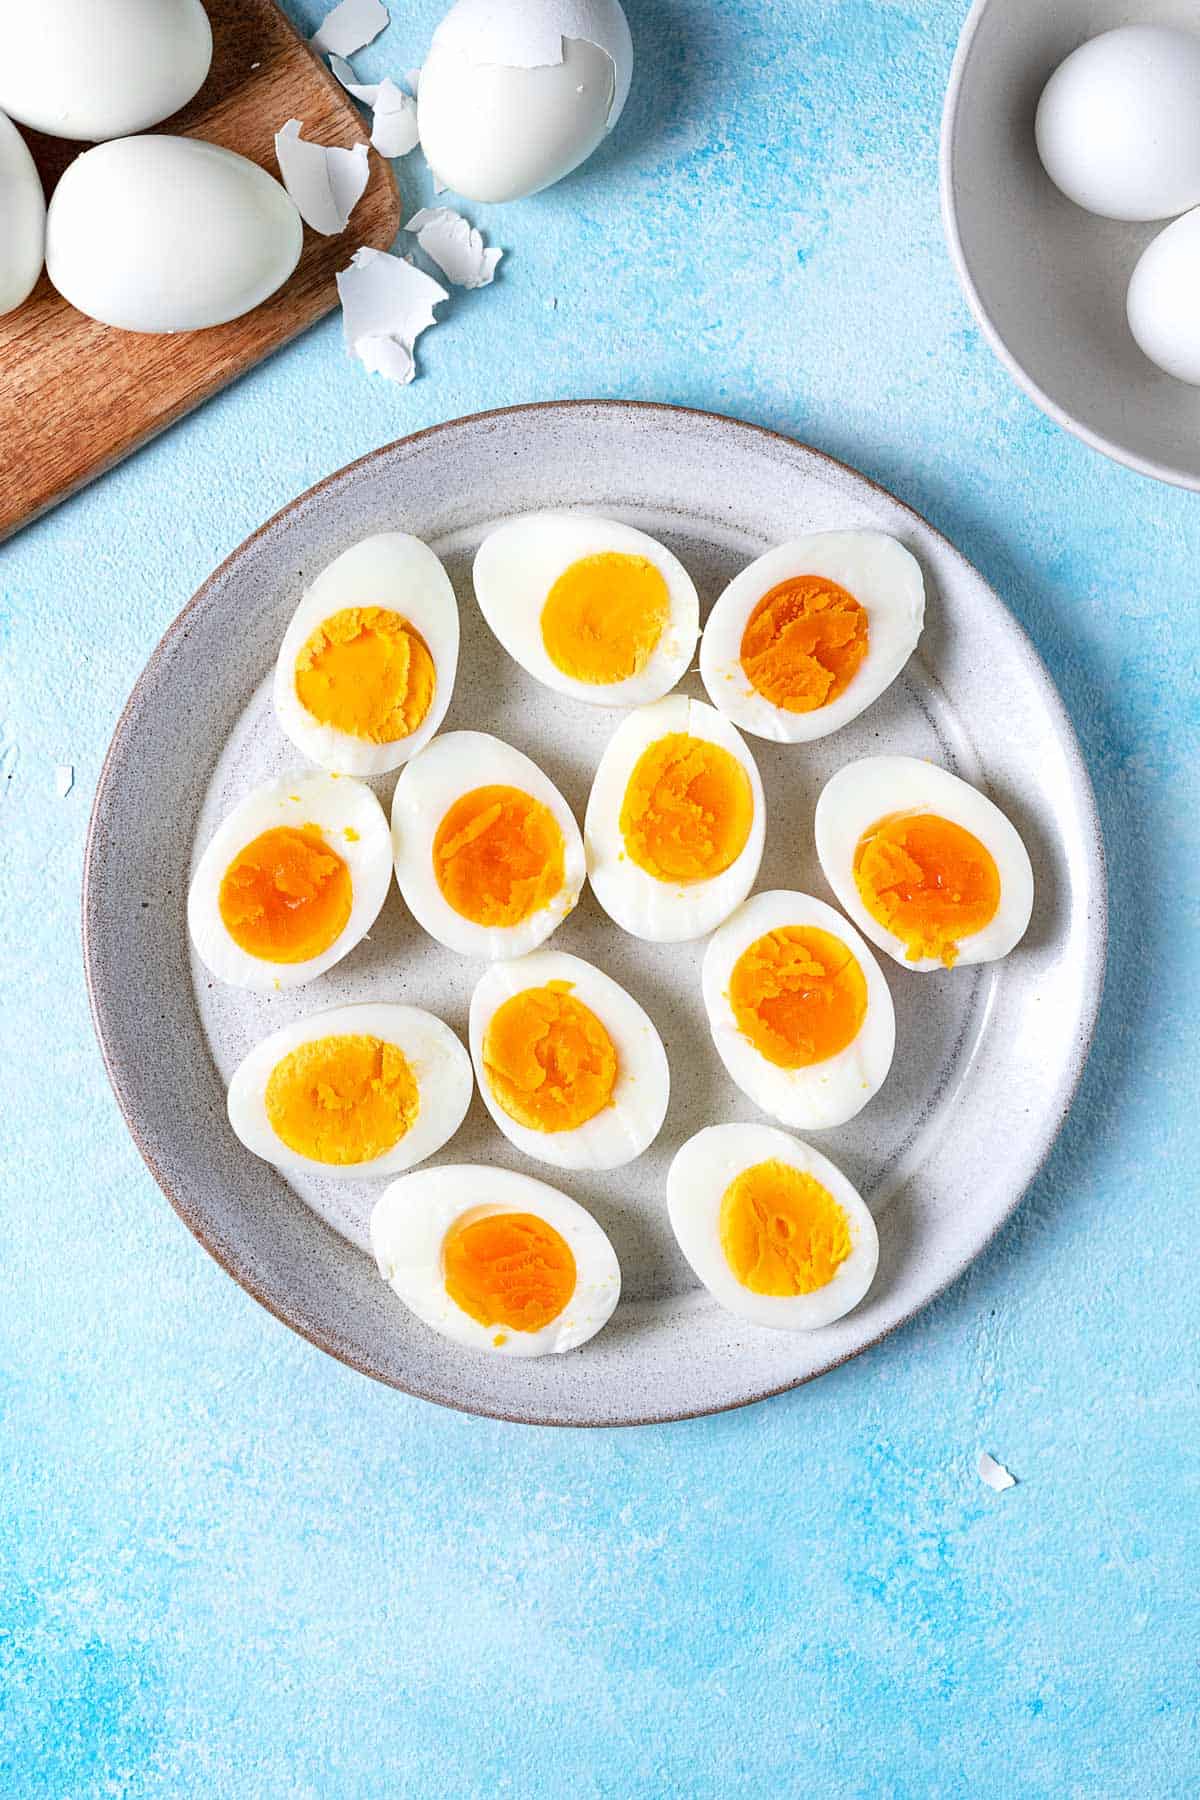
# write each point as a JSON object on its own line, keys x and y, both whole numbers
{"x": 799, "y": 1010}
{"x": 569, "y": 1066}
{"x": 366, "y": 669}
{"x": 774, "y": 1231}
{"x": 488, "y": 854}
{"x": 808, "y": 636}
{"x": 926, "y": 866}
{"x": 360, "y": 1091}
{"x": 495, "y": 1260}
{"x": 675, "y": 823}
{"x": 293, "y": 879}
{"x": 591, "y": 608}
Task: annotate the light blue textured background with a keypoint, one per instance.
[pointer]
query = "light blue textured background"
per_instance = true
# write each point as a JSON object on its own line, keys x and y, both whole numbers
{"x": 230, "y": 1567}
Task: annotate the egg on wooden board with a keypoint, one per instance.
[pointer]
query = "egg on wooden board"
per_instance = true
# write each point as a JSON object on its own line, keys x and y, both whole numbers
{"x": 494, "y": 1260}
{"x": 514, "y": 94}
{"x": 366, "y": 668}
{"x": 928, "y": 868}
{"x": 292, "y": 880}
{"x": 22, "y": 219}
{"x": 97, "y": 69}
{"x": 162, "y": 234}
{"x": 360, "y": 1091}
{"x": 771, "y": 1227}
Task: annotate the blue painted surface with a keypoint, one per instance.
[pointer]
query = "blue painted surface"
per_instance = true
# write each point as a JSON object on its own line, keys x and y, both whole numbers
{"x": 228, "y": 1566}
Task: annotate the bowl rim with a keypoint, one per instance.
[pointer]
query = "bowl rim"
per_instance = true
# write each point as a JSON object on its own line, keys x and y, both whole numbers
{"x": 1096, "y": 440}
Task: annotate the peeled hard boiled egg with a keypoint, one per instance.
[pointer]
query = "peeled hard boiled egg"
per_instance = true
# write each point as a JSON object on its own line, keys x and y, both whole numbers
{"x": 926, "y": 866}
{"x": 495, "y": 1260}
{"x": 1161, "y": 305}
{"x": 515, "y": 94}
{"x": 358, "y": 1091}
{"x": 164, "y": 234}
{"x": 591, "y": 608}
{"x": 293, "y": 879}
{"x": 799, "y": 1010}
{"x": 488, "y": 855}
{"x": 1118, "y": 123}
{"x": 675, "y": 823}
{"x": 95, "y": 69}
{"x": 366, "y": 669}
{"x": 808, "y": 636}
{"x": 569, "y": 1066}
{"x": 774, "y": 1231}
{"x": 22, "y": 219}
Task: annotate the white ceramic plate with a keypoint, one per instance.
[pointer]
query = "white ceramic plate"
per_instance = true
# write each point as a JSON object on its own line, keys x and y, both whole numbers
{"x": 987, "y": 1059}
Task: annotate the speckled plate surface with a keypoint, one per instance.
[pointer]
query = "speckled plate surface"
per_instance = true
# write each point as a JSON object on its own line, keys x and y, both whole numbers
{"x": 987, "y": 1060}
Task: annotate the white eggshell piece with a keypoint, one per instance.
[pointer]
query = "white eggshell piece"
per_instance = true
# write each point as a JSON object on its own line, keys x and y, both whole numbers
{"x": 325, "y": 181}
{"x": 22, "y": 219}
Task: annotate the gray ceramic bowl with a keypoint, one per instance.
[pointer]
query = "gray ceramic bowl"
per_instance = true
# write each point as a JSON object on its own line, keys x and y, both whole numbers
{"x": 1046, "y": 280}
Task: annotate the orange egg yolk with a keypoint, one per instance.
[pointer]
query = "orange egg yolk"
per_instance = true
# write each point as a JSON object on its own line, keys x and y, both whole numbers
{"x": 550, "y": 1062}
{"x": 342, "y": 1100}
{"x": 782, "y": 1232}
{"x": 927, "y": 881}
{"x": 799, "y": 995}
{"x": 498, "y": 856}
{"x": 510, "y": 1269}
{"x": 804, "y": 643}
{"x": 687, "y": 810}
{"x": 286, "y": 896}
{"x": 368, "y": 673}
{"x": 604, "y": 617}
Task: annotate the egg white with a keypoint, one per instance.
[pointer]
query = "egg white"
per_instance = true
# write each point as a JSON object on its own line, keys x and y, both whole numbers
{"x": 864, "y": 792}
{"x": 664, "y": 911}
{"x": 409, "y": 1227}
{"x": 403, "y": 575}
{"x": 634, "y": 1117}
{"x": 519, "y": 563}
{"x": 696, "y": 1185}
{"x": 453, "y": 765}
{"x": 334, "y": 804}
{"x": 883, "y": 577}
{"x": 439, "y": 1063}
{"x": 826, "y": 1093}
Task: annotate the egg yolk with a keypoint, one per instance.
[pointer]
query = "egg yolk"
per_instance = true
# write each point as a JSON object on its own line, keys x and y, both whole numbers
{"x": 368, "y": 673}
{"x": 604, "y": 617}
{"x": 510, "y": 1269}
{"x": 799, "y": 995}
{"x": 498, "y": 856}
{"x": 687, "y": 810}
{"x": 782, "y": 1232}
{"x": 550, "y": 1062}
{"x": 927, "y": 881}
{"x": 804, "y": 643}
{"x": 342, "y": 1100}
{"x": 286, "y": 897}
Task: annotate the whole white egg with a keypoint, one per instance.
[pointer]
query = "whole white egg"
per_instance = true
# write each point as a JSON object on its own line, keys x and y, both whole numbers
{"x": 22, "y": 219}
{"x": 514, "y": 94}
{"x": 771, "y": 1227}
{"x": 366, "y": 668}
{"x": 165, "y": 234}
{"x": 570, "y": 1067}
{"x": 1161, "y": 304}
{"x": 292, "y": 880}
{"x": 810, "y": 634}
{"x": 590, "y": 607}
{"x": 96, "y": 69}
{"x": 675, "y": 822}
{"x": 488, "y": 855}
{"x": 495, "y": 1261}
{"x": 926, "y": 866}
{"x": 1118, "y": 123}
{"x": 357, "y": 1091}
{"x": 799, "y": 1010}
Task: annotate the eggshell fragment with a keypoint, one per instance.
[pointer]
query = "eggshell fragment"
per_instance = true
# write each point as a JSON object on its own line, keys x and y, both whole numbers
{"x": 386, "y": 305}
{"x": 455, "y": 246}
{"x": 349, "y": 26}
{"x": 325, "y": 181}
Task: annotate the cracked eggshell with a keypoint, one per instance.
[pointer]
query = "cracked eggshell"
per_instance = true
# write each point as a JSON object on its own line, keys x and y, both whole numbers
{"x": 22, "y": 219}
{"x": 516, "y": 93}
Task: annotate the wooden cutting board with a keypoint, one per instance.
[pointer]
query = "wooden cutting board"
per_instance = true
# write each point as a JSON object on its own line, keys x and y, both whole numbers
{"x": 75, "y": 396}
